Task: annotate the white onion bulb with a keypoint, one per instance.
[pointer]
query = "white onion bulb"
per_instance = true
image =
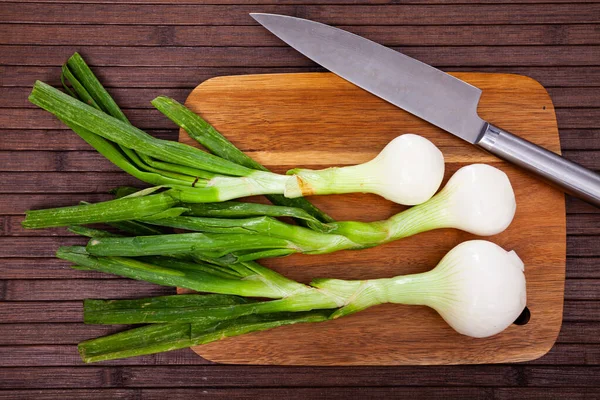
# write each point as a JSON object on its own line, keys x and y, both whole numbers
{"x": 479, "y": 199}
{"x": 481, "y": 289}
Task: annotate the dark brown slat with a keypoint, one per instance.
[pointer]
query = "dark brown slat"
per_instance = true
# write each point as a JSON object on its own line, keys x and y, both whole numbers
{"x": 249, "y": 376}
{"x": 53, "y": 333}
{"x": 579, "y": 332}
{"x": 264, "y": 393}
{"x": 18, "y": 203}
{"x": 36, "y": 247}
{"x": 70, "y": 311}
{"x": 41, "y": 311}
{"x": 45, "y": 268}
{"x": 575, "y": 289}
{"x": 581, "y": 311}
{"x": 20, "y": 161}
{"x": 356, "y": 15}
{"x": 16, "y": 97}
{"x": 250, "y": 36}
{"x": 80, "y": 289}
{"x": 308, "y": 2}
{"x": 583, "y": 224}
{"x": 577, "y": 118}
{"x": 310, "y": 393}
{"x": 61, "y": 139}
{"x": 583, "y": 246}
{"x": 57, "y": 182}
{"x": 153, "y": 77}
{"x": 583, "y": 267}
{"x": 579, "y": 139}
{"x": 36, "y": 118}
{"x": 562, "y": 376}
{"x": 67, "y": 355}
{"x": 571, "y": 97}
{"x": 456, "y": 376}
{"x": 588, "y": 158}
{"x": 11, "y": 226}
{"x": 187, "y": 77}
{"x": 19, "y": 118}
{"x": 575, "y": 206}
{"x": 558, "y": 393}
{"x": 463, "y": 56}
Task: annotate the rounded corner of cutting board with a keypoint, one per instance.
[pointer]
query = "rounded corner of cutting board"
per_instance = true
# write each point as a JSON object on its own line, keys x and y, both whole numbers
{"x": 246, "y": 109}
{"x": 533, "y": 84}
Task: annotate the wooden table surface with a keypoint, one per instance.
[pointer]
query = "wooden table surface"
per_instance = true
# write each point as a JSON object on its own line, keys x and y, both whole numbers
{"x": 142, "y": 48}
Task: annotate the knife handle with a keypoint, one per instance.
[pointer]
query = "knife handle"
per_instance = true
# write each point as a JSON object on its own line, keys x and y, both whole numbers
{"x": 569, "y": 176}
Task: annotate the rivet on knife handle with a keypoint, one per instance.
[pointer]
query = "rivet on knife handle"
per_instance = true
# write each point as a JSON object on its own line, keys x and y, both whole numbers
{"x": 571, "y": 177}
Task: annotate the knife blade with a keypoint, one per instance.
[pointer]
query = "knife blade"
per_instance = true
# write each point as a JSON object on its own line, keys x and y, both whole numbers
{"x": 431, "y": 94}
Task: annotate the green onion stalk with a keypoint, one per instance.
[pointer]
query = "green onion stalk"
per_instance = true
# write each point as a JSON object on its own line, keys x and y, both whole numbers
{"x": 478, "y": 288}
{"x": 478, "y": 199}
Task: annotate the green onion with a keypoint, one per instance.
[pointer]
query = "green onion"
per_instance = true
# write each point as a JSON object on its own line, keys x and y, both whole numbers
{"x": 478, "y": 199}
{"x": 409, "y": 170}
{"x": 237, "y": 181}
{"x": 478, "y": 288}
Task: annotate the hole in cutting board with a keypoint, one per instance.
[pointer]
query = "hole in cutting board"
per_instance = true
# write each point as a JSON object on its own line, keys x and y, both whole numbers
{"x": 524, "y": 318}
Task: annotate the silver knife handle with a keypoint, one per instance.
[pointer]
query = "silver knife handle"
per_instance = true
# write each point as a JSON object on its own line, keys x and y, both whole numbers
{"x": 569, "y": 176}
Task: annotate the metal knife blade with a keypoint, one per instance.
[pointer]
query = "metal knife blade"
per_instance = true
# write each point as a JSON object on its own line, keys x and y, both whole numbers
{"x": 418, "y": 88}
{"x": 428, "y": 93}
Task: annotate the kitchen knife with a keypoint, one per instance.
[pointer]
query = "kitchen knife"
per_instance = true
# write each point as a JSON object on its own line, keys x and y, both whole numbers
{"x": 427, "y": 92}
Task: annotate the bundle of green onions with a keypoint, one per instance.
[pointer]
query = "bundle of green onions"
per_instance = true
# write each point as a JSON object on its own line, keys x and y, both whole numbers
{"x": 478, "y": 288}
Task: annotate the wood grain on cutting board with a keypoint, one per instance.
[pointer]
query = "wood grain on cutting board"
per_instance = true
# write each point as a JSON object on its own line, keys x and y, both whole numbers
{"x": 318, "y": 120}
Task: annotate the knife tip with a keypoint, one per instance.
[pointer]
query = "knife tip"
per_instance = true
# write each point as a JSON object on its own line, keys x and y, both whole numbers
{"x": 261, "y": 16}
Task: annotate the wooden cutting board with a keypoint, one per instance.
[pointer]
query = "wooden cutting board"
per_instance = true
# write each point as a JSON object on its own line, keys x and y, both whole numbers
{"x": 317, "y": 120}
